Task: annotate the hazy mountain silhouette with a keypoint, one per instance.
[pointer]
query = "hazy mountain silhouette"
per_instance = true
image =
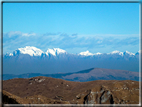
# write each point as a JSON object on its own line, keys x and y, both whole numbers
{"x": 84, "y": 75}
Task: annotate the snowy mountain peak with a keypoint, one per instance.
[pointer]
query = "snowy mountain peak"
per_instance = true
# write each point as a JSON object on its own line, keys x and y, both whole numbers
{"x": 98, "y": 53}
{"x": 116, "y": 52}
{"x": 130, "y": 53}
{"x": 86, "y": 53}
{"x": 139, "y": 52}
{"x": 9, "y": 54}
{"x": 58, "y": 50}
{"x": 32, "y": 51}
{"x": 55, "y": 51}
{"x": 50, "y": 51}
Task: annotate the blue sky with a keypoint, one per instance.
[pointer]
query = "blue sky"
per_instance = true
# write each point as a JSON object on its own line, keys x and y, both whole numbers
{"x": 74, "y": 27}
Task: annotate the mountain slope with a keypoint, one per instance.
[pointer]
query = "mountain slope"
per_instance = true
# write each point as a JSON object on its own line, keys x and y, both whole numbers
{"x": 38, "y": 90}
{"x": 103, "y": 74}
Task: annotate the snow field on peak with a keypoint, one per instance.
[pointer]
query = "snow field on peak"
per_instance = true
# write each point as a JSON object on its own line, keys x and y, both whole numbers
{"x": 86, "y": 53}
{"x": 54, "y": 51}
{"x": 98, "y": 53}
{"x": 116, "y": 52}
{"x": 130, "y": 53}
{"x": 58, "y": 50}
{"x": 9, "y": 54}
{"x": 31, "y": 51}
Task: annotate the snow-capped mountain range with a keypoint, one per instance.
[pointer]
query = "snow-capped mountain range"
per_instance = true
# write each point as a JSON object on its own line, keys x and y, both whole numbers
{"x": 32, "y": 59}
{"x": 33, "y": 51}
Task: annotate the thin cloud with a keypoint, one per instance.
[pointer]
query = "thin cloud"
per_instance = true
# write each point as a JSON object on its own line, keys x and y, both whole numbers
{"x": 14, "y": 40}
{"x": 17, "y": 33}
{"x": 28, "y": 34}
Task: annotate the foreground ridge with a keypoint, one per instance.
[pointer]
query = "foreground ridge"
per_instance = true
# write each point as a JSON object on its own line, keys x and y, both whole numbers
{"x": 46, "y": 90}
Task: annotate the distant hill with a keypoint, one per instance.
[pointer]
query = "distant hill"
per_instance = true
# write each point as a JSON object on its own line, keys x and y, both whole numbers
{"x": 47, "y": 90}
{"x": 84, "y": 75}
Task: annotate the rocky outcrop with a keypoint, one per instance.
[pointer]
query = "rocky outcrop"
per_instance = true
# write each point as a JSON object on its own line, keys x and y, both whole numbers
{"x": 102, "y": 96}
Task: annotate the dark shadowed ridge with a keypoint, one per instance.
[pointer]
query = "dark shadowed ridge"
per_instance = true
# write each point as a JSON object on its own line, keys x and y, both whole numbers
{"x": 29, "y": 75}
{"x": 84, "y": 75}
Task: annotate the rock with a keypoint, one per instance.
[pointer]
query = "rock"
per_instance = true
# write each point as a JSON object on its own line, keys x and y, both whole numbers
{"x": 78, "y": 96}
{"x": 102, "y": 97}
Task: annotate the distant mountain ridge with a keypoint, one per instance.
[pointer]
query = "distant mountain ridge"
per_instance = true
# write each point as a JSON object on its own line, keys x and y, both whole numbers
{"x": 84, "y": 75}
{"x": 33, "y": 60}
{"x": 33, "y": 51}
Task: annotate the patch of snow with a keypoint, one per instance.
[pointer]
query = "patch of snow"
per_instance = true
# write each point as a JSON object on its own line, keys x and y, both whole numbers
{"x": 32, "y": 51}
{"x": 51, "y": 51}
{"x": 58, "y": 50}
{"x": 86, "y": 53}
{"x": 55, "y": 51}
{"x": 116, "y": 52}
{"x": 130, "y": 53}
{"x": 98, "y": 53}
{"x": 9, "y": 54}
